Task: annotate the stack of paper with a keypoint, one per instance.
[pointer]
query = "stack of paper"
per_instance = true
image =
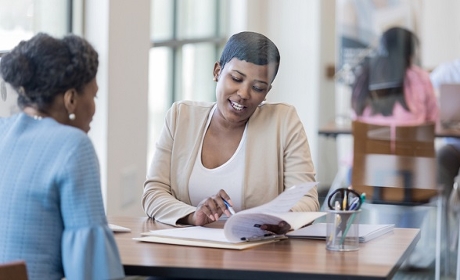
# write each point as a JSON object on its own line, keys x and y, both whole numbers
{"x": 318, "y": 231}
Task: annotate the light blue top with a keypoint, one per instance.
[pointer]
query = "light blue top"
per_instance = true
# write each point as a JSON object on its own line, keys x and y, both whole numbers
{"x": 51, "y": 209}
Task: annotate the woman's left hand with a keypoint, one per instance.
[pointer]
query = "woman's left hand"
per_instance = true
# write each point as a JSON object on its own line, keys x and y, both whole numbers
{"x": 281, "y": 228}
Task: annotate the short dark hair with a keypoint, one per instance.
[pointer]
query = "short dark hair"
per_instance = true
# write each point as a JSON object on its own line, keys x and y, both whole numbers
{"x": 251, "y": 47}
{"x": 43, "y": 67}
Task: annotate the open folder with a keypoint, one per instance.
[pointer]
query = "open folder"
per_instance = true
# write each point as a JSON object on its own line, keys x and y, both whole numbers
{"x": 242, "y": 230}
{"x": 318, "y": 231}
{"x": 198, "y": 237}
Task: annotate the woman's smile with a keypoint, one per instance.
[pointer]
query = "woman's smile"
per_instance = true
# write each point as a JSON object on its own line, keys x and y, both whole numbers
{"x": 236, "y": 106}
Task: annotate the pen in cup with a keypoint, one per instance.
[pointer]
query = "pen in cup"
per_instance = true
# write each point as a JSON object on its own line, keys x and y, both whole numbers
{"x": 230, "y": 208}
{"x": 355, "y": 202}
{"x": 361, "y": 200}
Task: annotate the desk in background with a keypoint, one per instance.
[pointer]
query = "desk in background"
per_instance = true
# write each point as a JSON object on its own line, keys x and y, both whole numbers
{"x": 332, "y": 129}
{"x": 291, "y": 258}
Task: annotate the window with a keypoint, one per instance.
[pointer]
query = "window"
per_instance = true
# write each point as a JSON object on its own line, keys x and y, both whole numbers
{"x": 187, "y": 37}
{"x": 21, "y": 19}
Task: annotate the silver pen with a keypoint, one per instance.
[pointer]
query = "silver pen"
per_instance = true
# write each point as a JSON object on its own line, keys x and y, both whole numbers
{"x": 264, "y": 237}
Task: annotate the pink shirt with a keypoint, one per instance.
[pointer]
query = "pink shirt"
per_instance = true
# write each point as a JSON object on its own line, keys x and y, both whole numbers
{"x": 420, "y": 98}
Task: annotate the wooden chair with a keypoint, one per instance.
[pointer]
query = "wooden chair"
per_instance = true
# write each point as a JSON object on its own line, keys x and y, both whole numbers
{"x": 13, "y": 270}
{"x": 396, "y": 165}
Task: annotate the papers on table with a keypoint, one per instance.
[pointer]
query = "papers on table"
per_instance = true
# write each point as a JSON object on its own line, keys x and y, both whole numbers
{"x": 197, "y": 236}
{"x": 242, "y": 230}
{"x": 318, "y": 231}
{"x": 117, "y": 228}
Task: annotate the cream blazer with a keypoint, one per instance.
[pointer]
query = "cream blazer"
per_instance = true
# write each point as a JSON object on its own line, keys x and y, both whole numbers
{"x": 277, "y": 157}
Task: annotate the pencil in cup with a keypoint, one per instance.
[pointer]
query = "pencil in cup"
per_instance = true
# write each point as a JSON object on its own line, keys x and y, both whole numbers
{"x": 337, "y": 221}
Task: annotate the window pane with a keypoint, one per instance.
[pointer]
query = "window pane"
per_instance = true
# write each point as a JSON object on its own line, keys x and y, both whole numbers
{"x": 196, "y": 19}
{"x": 160, "y": 88}
{"x": 195, "y": 72}
{"x": 162, "y": 19}
{"x": 21, "y": 19}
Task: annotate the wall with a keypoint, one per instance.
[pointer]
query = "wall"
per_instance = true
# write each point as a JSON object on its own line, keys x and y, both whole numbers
{"x": 120, "y": 32}
{"x": 441, "y": 32}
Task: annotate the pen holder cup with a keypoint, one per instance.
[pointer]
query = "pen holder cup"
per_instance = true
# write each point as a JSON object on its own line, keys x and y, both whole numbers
{"x": 342, "y": 231}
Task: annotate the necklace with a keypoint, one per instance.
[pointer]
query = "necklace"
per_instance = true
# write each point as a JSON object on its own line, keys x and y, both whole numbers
{"x": 34, "y": 113}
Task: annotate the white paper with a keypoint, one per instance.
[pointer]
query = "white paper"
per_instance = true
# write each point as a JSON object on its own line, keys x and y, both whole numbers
{"x": 240, "y": 227}
{"x": 204, "y": 233}
{"x": 366, "y": 231}
{"x": 117, "y": 228}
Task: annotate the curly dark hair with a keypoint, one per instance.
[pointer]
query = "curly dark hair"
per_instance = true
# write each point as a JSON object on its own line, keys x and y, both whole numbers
{"x": 43, "y": 67}
{"x": 251, "y": 47}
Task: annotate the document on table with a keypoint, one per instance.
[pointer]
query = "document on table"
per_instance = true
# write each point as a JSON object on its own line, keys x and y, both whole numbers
{"x": 199, "y": 237}
{"x": 367, "y": 232}
{"x": 244, "y": 225}
{"x": 117, "y": 228}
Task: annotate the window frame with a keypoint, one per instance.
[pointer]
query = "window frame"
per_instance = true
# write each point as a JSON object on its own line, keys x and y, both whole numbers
{"x": 175, "y": 44}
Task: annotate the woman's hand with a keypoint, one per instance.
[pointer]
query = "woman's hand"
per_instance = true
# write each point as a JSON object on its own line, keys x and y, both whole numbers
{"x": 210, "y": 209}
{"x": 281, "y": 228}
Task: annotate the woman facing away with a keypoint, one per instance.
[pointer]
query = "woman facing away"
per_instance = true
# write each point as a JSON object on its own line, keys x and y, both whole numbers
{"x": 50, "y": 193}
{"x": 391, "y": 89}
{"x": 239, "y": 148}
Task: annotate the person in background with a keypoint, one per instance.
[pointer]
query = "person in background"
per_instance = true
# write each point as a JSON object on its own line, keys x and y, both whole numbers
{"x": 239, "y": 148}
{"x": 448, "y": 156}
{"x": 392, "y": 89}
{"x": 50, "y": 193}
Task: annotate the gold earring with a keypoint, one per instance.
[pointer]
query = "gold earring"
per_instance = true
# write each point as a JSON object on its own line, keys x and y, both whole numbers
{"x": 215, "y": 79}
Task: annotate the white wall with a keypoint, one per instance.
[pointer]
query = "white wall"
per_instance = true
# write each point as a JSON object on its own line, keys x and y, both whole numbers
{"x": 440, "y": 32}
{"x": 120, "y": 32}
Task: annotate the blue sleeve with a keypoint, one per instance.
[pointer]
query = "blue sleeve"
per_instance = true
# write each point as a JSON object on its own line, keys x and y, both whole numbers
{"x": 88, "y": 246}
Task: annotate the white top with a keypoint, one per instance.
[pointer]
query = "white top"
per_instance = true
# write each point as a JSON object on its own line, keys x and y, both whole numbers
{"x": 206, "y": 182}
{"x": 446, "y": 73}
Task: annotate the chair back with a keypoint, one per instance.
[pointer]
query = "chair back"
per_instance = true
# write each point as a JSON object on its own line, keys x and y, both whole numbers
{"x": 394, "y": 164}
{"x": 13, "y": 270}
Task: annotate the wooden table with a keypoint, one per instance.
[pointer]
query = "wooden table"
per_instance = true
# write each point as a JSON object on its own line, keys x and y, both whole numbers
{"x": 332, "y": 129}
{"x": 287, "y": 259}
